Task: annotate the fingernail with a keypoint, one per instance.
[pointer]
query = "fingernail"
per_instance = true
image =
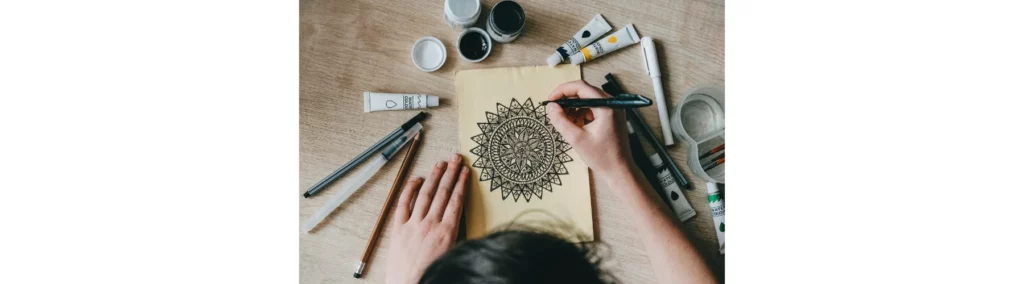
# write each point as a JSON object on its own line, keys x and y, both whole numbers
{"x": 455, "y": 157}
{"x": 440, "y": 164}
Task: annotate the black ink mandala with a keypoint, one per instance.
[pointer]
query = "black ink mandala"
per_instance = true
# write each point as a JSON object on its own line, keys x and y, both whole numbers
{"x": 519, "y": 151}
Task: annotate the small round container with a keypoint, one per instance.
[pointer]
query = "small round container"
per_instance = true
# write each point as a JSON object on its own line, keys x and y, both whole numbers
{"x": 506, "y": 21}
{"x": 699, "y": 121}
{"x": 429, "y": 54}
{"x": 461, "y": 14}
{"x": 474, "y": 45}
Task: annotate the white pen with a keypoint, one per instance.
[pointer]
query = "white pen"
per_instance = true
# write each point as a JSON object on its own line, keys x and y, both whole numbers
{"x": 654, "y": 70}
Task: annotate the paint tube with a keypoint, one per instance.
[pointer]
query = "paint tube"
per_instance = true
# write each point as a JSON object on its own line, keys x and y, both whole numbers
{"x": 621, "y": 38}
{"x": 670, "y": 188}
{"x": 593, "y": 30}
{"x": 373, "y": 101}
{"x": 717, "y": 213}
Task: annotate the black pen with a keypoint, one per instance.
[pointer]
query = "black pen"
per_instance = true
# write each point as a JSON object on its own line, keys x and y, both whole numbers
{"x": 365, "y": 154}
{"x": 620, "y": 101}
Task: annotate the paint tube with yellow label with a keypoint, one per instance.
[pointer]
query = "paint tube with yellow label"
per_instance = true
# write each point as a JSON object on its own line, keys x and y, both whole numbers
{"x": 621, "y": 38}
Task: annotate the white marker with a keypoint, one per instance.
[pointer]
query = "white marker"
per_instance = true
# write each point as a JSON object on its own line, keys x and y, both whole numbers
{"x": 654, "y": 70}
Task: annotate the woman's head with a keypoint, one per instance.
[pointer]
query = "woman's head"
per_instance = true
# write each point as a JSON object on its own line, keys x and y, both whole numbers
{"x": 516, "y": 257}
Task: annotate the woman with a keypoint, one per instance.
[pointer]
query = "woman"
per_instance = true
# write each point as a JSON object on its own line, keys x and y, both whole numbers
{"x": 426, "y": 221}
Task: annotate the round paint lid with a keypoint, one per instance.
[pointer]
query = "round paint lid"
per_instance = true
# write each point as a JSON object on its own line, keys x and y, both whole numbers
{"x": 428, "y": 54}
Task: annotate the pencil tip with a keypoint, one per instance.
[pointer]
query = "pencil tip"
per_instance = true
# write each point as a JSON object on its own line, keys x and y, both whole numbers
{"x": 356, "y": 275}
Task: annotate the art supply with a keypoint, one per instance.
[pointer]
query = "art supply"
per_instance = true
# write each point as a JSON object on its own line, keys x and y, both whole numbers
{"x": 712, "y": 151}
{"x": 717, "y": 213}
{"x": 461, "y": 14}
{"x": 350, "y": 186}
{"x": 429, "y": 54}
{"x": 654, "y": 70}
{"x": 699, "y": 122}
{"x": 642, "y": 161}
{"x": 474, "y": 45}
{"x": 365, "y": 154}
{"x": 592, "y": 31}
{"x": 713, "y": 162}
{"x": 395, "y": 187}
{"x": 620, "y": 101}
{"x": 506, "y": 22}
{"x": 612, "y": 87}
{"x": 625, "y": 37}
{"x": 677, "y": 201}
{"x": 374, "y": 101}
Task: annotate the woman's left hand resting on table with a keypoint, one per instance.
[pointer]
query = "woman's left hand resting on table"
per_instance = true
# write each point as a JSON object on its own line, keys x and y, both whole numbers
{"x": 426, "y": 222}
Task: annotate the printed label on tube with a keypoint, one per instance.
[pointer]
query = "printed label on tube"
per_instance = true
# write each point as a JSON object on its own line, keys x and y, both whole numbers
{"x": 592, "y": 31}
{"x": 621, "y": 38}
{"x": 373, "y": 101}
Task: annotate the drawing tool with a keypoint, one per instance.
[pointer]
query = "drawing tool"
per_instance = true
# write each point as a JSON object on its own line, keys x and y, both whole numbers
{"x": 620, "y": 101}
{"x": 612, "y": 87}
{"x": 712, "y": 152}
{"x": 642, "y": 162}
{"x": 350, "y": 186}
{"x": 402, "y": 170}
{"x": 364, "y": 155}
{"x": 717, "y": 204}
{"x": 713, "y": 163}
{"x": 654, "y": 70}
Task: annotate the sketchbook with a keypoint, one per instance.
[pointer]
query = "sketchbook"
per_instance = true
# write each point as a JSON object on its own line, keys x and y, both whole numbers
{"x": 523, "y": 173}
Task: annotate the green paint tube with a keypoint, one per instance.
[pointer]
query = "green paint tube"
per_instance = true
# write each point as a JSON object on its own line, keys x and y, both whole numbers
{"x": 717, "y": 213}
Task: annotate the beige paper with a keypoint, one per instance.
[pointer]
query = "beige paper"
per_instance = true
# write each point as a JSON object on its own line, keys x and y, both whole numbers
{"x": 522, "y": 170}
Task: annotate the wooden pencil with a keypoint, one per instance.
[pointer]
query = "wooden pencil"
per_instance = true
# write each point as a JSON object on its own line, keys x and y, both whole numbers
{"x": 387, "y": 204}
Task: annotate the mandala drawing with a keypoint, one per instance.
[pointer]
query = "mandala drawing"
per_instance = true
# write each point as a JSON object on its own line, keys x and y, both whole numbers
{"x": 519, "y": 151}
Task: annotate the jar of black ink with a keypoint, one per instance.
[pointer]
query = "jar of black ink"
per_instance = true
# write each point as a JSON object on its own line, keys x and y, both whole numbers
{"x": 474, "y": 45}
{"x": 506, "y": 21}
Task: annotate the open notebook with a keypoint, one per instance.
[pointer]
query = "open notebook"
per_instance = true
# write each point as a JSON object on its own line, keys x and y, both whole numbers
{"x": 523, "y": 173}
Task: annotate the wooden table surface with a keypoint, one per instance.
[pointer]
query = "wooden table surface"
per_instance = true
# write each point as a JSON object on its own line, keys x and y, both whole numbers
{"x": 351, "y": 46}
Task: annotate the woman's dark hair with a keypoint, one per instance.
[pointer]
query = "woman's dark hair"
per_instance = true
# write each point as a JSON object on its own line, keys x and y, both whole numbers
{"x": 517, "y": 256}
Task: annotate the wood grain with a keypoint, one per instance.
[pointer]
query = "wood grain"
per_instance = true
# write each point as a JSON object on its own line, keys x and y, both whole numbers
{"x": 351, "y": 46}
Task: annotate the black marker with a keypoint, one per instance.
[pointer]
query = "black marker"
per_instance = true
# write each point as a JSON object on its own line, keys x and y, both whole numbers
{"x": 612, "y": 87}
{"x": 365, "y": 154}
{"x": 620, "y": 101}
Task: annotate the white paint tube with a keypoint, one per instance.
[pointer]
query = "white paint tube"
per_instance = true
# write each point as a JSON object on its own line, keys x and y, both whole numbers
{"x": 717, "y": 213}
{"x": 592, "y": 31}
{"x": 621, "y": 38}
{"x": 373, "y": 101}
{"x": 676, "y": 201}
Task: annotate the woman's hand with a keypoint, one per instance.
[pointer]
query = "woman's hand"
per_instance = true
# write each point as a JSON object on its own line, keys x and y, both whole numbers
{"x": 427, "y": 229}
{"x": 602, "y": 141}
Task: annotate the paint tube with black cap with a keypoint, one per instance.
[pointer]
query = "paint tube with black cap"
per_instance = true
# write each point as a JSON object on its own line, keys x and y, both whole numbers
{"x": 592, "y": 31}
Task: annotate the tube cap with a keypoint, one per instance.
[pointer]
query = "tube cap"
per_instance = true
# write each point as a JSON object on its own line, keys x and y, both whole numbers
{"x": 433, "y": 101}
{"x": 554, "y": 59}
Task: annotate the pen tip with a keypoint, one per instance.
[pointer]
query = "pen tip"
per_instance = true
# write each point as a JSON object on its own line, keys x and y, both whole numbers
{"x": 356, "y": 275}
{"x": 306, "y": 195}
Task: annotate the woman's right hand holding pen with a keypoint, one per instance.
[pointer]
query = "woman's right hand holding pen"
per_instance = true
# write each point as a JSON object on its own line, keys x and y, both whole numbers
{"x": 602, "y": 139}
{"x": 602, "y": 144}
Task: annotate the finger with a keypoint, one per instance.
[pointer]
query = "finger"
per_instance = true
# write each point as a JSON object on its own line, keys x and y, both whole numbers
{"x": 444, "y": 189}
{"x": 586, "y": 91}
{"x": 405, "y": 199}
{"x": 569, "y": 130}
{"x": 453, "y": 212}
{"x": 579, "y": 88}
{"x": 427, "y": 192}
